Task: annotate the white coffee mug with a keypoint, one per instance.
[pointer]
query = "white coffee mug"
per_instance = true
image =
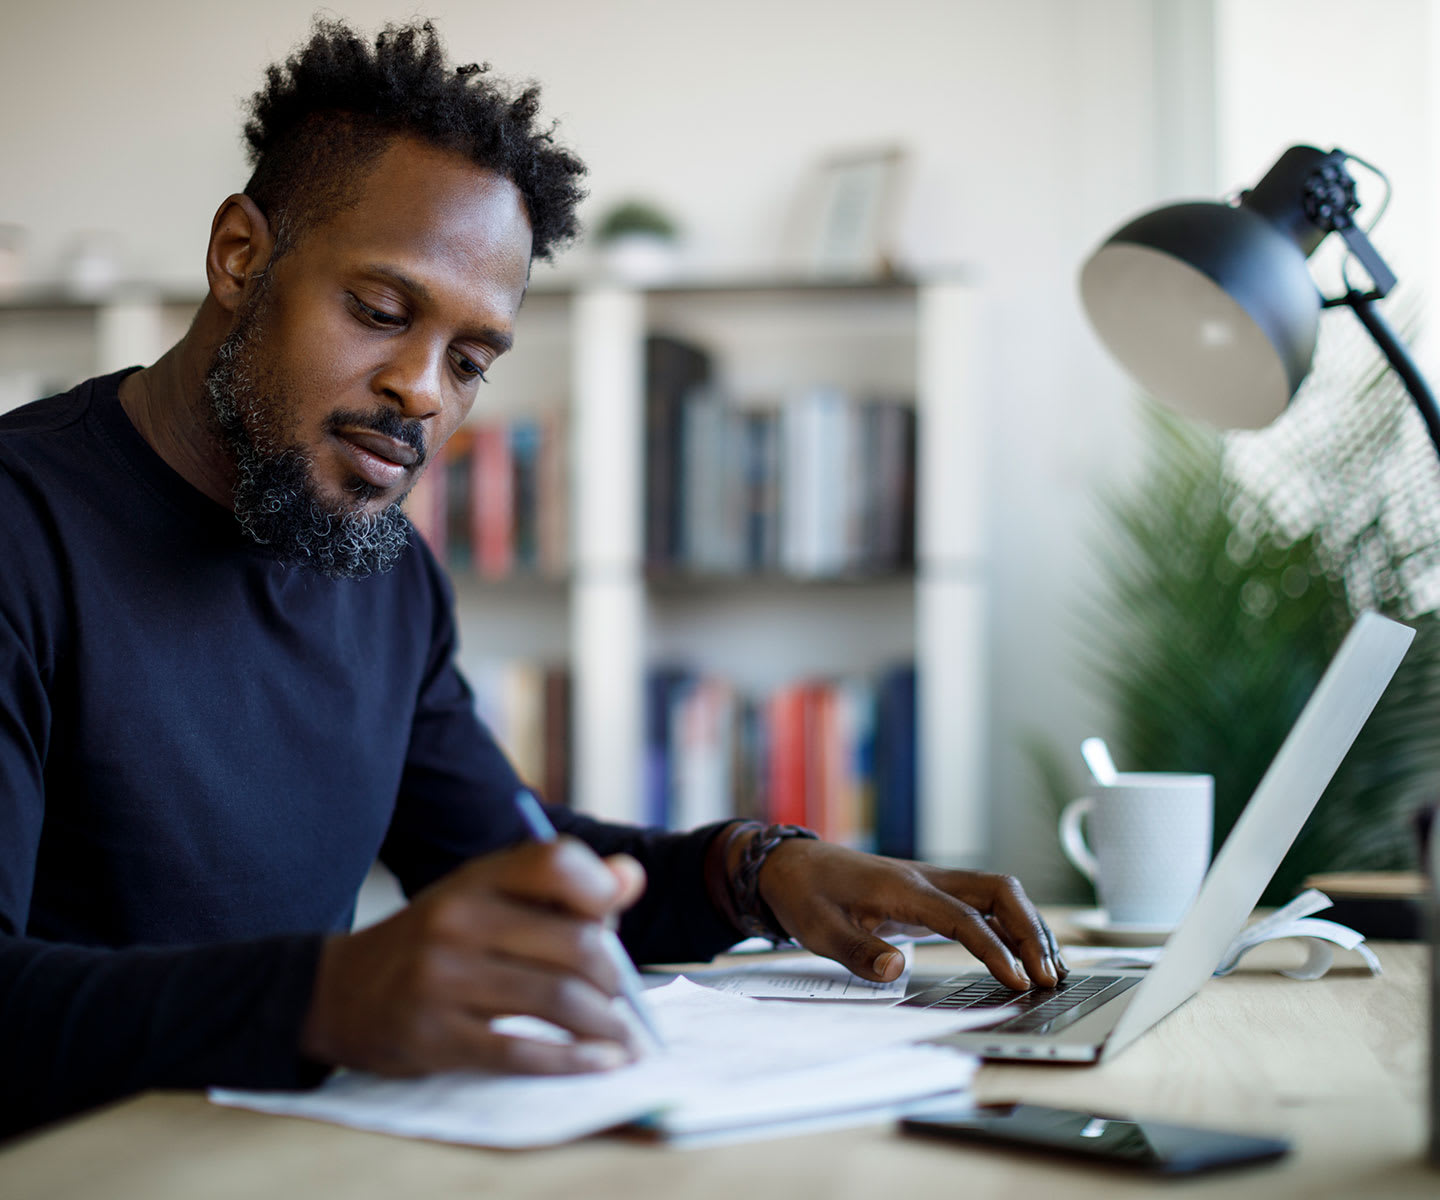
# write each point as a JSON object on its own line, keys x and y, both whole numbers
{"x": 1148, "y": 844}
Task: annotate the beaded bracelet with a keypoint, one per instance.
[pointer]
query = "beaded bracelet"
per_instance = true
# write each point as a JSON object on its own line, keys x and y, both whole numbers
{"x": 756, "y": 917}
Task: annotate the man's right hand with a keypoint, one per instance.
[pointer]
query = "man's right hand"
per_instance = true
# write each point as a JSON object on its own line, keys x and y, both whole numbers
{"x": 517, "y": 932}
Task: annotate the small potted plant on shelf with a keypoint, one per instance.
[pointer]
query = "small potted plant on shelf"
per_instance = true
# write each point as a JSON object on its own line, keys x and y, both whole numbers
{"x": 638, "y": 243}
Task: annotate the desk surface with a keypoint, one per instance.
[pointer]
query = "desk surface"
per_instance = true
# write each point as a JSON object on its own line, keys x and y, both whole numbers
{"x": 1337, "y": 1066}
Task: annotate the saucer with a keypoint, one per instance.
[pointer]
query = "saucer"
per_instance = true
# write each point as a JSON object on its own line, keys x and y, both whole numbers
{"x": 1096, "y": 927}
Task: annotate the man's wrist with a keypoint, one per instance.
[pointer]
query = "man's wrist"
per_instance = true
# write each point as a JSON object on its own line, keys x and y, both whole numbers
{"x": 722, "y": 860}
{"x": 757, "y": 918}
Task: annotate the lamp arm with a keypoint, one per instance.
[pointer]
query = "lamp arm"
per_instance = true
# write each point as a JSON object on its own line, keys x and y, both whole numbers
{"x": 1399, "y": 358}
{"x": 1362, "y": 248}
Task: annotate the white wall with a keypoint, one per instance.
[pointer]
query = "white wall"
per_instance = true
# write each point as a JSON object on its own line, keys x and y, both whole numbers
{"x": 1337, "y": 74}
{"x": 1037, "y": 125}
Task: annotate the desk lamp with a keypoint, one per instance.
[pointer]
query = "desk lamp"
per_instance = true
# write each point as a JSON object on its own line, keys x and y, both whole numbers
{"x": 1211, "y": 307}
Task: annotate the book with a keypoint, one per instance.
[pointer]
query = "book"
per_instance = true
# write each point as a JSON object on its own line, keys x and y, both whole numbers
{"x": 459, "y": 553}
{"x": 852, "y": 810}
{"x": 555, "y": 736}
{"x": 492, "y": 503}
{"x": 524, "y": 495}
{"x": 425, "y": 507}
{"x": 662, "y": 686}
{"x": 673, "y": 370}
{"x": 895, "y": 764}
{"x": 552, "y": 525}
{"x": 702, "y": 732}
{"x": 788, "y": 765}
{"x": 760, "y": 500}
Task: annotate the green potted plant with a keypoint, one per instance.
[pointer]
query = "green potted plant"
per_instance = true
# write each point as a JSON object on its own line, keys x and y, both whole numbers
{"x": 638, "y": 242}
{"x": 1231, "y": 575}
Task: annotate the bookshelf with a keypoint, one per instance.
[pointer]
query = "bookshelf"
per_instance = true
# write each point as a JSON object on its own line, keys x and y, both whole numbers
{"x": 915, "y": 338}
{"x": 581, "y": 350}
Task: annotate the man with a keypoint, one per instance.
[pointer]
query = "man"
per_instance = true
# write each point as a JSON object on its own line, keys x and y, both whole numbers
{"x": 227, "y": 662}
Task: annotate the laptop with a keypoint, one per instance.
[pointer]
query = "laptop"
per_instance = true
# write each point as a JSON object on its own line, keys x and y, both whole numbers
{"x": 1092, "y": 1017}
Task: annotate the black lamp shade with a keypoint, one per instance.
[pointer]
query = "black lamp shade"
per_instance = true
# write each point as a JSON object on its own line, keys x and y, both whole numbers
{"x": 1209, "y": 307}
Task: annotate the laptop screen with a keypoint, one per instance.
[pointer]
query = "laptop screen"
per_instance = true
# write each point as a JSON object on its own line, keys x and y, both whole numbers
{"x": 1341, "y": 704}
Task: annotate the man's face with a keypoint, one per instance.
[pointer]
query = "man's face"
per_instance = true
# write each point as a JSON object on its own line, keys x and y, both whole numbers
{"x": 361, "y": 351}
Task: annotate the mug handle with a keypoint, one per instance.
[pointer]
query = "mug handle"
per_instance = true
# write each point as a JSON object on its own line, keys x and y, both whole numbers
{"x": 1072, "y": 840}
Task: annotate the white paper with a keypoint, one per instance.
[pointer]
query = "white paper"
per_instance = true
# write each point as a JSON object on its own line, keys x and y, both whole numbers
{"x": 881, "y": 1114}
{"x": 1294, "y": 920}
{"x": 804, "y": 977}
{"x": 1306, "y": 904}
{"x": 854, "y": 1091}
{"x": 1320, "y": 938}
{"x": 715, "y": 1041}
{"x": 890, "y": 931}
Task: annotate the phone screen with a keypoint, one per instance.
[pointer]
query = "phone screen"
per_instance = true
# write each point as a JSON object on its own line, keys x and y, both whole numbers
{"x": 1149, "y": 1145}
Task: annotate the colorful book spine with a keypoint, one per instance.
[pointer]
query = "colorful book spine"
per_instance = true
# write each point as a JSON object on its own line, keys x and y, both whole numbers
{"x": 552, "y": 524}
{"x": 787, "y": 802}
{"x": 458, "y": 503}
{"x": 835, "y": 755}
{"x": 492, "y": 511}
{"x": 895, "y": 764}
{"x": 496, "y": 502}
{"x": 524, "y": 532}
{"x": 425, "y": 507}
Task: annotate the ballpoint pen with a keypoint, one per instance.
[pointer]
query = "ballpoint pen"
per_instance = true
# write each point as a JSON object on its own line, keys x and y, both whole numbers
{"x": 634, "y": 991}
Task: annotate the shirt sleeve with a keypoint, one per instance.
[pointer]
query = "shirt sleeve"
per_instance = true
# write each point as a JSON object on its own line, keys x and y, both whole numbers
{"x": 457, "y": 801}
{"x": 81, "y": 1026}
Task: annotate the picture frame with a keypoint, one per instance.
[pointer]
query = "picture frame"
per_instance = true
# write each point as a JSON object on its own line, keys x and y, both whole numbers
{"x": 847, "y": 216}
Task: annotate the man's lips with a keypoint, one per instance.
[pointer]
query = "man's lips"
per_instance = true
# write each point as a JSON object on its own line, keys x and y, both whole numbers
{"x": 380, "y": 461}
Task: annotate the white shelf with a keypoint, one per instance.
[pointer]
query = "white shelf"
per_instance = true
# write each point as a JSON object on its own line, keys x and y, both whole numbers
{"x": 50, "y": 341}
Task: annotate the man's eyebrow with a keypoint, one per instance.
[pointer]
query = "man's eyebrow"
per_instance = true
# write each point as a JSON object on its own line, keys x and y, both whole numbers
{"x": 498, "y": 338}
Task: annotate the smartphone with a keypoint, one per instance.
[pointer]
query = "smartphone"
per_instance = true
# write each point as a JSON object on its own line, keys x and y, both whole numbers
{"x": 1153, "y": 1146}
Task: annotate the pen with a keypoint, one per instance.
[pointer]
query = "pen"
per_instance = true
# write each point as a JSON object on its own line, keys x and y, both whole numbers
{"x": 542, "y": 831}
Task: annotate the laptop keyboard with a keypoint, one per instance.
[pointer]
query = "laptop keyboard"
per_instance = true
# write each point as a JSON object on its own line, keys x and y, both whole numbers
{"x": 1043, "y": 1010}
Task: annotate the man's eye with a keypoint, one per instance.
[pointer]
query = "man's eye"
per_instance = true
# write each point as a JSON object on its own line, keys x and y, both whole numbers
{"x": 376, "y": 316}
{"x": 466, "y": 368}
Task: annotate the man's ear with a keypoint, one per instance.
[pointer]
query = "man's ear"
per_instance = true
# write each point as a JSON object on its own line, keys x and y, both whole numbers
{"x": 241, "y": 243}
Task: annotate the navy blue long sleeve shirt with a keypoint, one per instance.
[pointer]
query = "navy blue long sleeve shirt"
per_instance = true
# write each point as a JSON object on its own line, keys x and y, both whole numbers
{"x": 202, "y": 750}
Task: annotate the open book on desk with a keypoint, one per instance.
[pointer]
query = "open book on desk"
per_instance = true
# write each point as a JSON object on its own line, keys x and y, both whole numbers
{"x": 732, "y": 1063}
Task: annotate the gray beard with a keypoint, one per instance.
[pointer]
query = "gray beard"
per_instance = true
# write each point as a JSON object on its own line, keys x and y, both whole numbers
{"x": 276, "y": 501}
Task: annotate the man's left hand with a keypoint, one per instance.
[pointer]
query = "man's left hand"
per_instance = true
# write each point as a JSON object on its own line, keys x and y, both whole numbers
{"x": 831, "y": 900}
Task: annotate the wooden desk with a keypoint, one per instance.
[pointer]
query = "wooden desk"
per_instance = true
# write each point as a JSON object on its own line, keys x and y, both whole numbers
{"x": 1337, "y": 1066}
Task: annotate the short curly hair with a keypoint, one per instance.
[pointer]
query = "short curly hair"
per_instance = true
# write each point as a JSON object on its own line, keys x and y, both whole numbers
{"x": 335, "y": 104}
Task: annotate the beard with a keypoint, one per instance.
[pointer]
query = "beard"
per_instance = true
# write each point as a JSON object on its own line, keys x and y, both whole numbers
{"x": 276, "y": 500}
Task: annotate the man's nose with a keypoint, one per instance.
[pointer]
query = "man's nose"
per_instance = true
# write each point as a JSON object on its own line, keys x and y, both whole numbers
{"x": 412, "y": 378}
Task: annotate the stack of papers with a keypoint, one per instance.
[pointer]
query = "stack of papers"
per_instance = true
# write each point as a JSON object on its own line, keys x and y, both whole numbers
{"x": 733, "y": 1066}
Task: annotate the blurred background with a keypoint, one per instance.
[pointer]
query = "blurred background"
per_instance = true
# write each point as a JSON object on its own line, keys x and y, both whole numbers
{"x": 860, "y": 209}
